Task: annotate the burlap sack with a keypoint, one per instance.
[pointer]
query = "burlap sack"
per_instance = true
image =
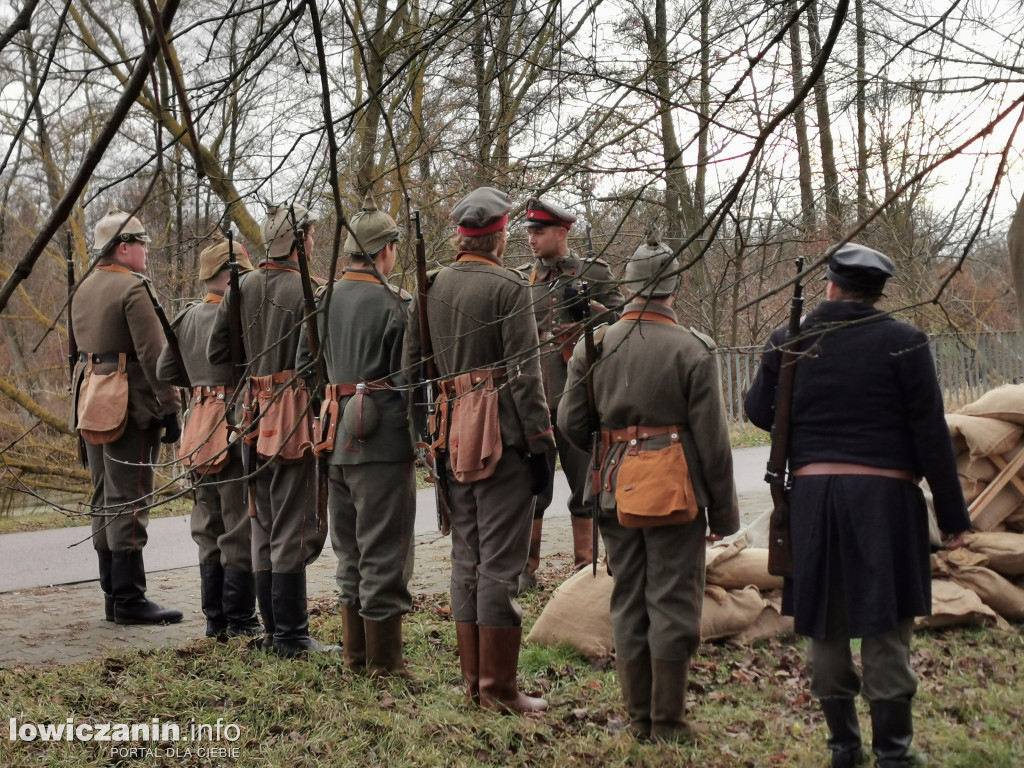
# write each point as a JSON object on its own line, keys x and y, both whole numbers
{"x": 1004, "y": 552}
{"x": 1005, "y": 403}
{"x": 975, "y": 468}
{"x": 771, "y": 623}
{"x": 729, "y": 612}
{"x": 579, "y": 614}
{"x": 982, "y": 436}
{"x": 954, "y": 605}
{"x": 964, "y": 567}
{"x": 739, "y": 566}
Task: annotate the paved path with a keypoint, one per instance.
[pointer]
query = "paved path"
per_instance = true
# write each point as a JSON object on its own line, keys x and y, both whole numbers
{"x": 51, "y": 607}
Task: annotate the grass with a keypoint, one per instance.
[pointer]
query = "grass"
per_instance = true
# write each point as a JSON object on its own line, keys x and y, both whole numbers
{"x": 752, "y": 704}
{"x": 44, "y": 518}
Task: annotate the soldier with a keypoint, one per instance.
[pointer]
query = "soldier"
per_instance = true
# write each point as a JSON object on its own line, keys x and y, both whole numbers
{"x": 220, "y": 516}
{"x": 371, "y": 466}
{"x": 120, "y": 411}
{"x": 666, "y": 477}
{"x": 867, "y": 421}
{"x": 556, "y": 277}
{"x": 498, "y": 440}
{"x": 286, "y": 532}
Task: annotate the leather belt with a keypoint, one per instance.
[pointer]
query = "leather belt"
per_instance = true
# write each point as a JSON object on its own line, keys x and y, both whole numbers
{"x": 631, "y": 434}
{"x": 105, "y": 357}
{"x": 346, "y": 389}
{"x": 840, "y": 468}
{"x": 478, "y": 375}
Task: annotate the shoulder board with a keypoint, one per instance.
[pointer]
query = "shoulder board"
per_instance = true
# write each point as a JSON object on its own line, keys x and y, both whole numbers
{"x": 707, "y": 341}
{"x": 400, "y": 292}
{"x": 145, "y": 279}
{"x": 595, "y": 260}
{"x": 433, "y": 273}
{"x": 318, "y": 280}
{"x": 320, "y": 290}
{"x": 524, "y": 269}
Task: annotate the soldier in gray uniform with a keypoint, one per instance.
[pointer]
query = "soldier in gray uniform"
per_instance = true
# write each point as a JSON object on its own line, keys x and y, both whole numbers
{"x": 666, "y": 476}
{"x": 498, "y": 439}
{"x": 287, "y": 534}
{"x": 369, "y": 442}
{"x": 556, "y": 277}
{"x": 220, "y": 516}
{"x": 121, "y": 408}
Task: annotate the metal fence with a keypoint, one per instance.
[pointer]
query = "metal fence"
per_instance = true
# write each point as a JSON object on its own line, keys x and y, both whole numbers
{"x": 967, "y": 365}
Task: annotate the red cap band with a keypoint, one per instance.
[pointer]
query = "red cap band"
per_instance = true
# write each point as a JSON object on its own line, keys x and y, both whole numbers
{"x": 479, "y": 231}
{"x": 539, "y": 214}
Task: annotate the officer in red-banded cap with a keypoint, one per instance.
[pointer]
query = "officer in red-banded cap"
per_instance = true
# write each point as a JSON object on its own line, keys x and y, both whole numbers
{"x": 499, "y": 440}
{"x": 555, "y": 277}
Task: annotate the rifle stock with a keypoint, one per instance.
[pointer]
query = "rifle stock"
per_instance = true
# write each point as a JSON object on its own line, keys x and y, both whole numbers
{"x": 594, "y": 417}
{"x": 780, "y": 545}
{"x": 83, "y": 457}
{"x": 169, "y": 335}
{"x": 428, "y": 375}
{"x": 238, "y": 360}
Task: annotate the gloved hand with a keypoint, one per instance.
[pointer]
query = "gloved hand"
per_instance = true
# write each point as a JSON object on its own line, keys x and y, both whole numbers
{"x": 574, "y": 303}
{"x": 540, "y": 473}
{"x": 172, "y": 429}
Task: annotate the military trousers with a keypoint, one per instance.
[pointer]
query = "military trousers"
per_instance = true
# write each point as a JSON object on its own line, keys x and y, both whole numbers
{"x": 576, "y": 466}
{"x": 491, "y": 522}
{"x": 220, "y": 518}
{"x": 658, "y": 590}
{"x": 373, "y": 513}
{"x": 122, "y": 478}
{"x": 286, "y": 535}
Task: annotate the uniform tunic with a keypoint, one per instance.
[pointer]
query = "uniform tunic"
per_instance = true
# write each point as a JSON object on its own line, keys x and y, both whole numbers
{"x": 220, "y": 516}
{"x": 285, "y": 532}
{"x": 111, "y": 313}
{"x": 654, "y": 373}
{"x": 480, "y": 317}
{"x": 372, "y": 498}
{"x": 865, "y": 393}
{"x": 558, "y": 331}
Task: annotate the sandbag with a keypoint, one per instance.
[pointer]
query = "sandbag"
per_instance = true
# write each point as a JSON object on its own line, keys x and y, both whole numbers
{"x": 739, "y": 566}
{"x": 954, "y": 605}
{"x": 982, "y": 436}
{"x": 977, "y": 468}
{"x": 729, "y": 612}
{"x": 995, "y": 591}
{"x": 771, "y": 623}
{"x": 1005, "y": 403}
{"x": 578, "y": 614}
{"x": 1004, "y": 552}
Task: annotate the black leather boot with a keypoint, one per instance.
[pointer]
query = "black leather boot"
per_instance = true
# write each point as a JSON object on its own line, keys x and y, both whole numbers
{"x": 211, "y": 590}
{"x": 291, "y": 620}
{"x": 844, "y": 733}
{"x": 105, "y": 584}
{"x": 239, "y": 601}
{"x": 636, "y": 684}
{"x": 128, "y": 581}
{"x": 265, "y": 599}
{"x": 893, "y": 729}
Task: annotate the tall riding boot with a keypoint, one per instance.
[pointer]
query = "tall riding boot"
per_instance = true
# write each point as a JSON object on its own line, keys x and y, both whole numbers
{"x": 265, "y": 599}
{"x": 528, "y": 578}
{"x": 211, "y": 591}
{"x": 353, "y": 637}
{"x": 239, "y": 601}
{"x": 892, "y": 728}
{"x": 291, "y": 620}
{"x": 384, "y": 648}
{"x": 468, "y": 635}
{"x": 582, "y": 542}
{"x": 128, "y": 582}
{"x": 635, "y": 682}
{"x": 106, "y": 584}
{"x": 499, "y": 661}
{"x": 844, "y": 733}
{"x": 668, "y": 700}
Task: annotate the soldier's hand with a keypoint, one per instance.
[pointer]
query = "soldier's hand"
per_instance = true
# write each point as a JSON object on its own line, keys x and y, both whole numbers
{"x": 540, "y": 473}
{"x": 172, "y": 429}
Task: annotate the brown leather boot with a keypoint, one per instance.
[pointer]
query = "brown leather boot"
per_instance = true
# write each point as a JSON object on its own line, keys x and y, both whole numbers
{"x": 635, "y": 681}
{"x": 668, "y": 700}
{"x": 528, "y": 578}
{"x": 468, "y": 636}
{"x": 499, "y": 660}
{"x": 353, "y": 638}
{"x": 582, "y": 542}
{"x": 384, "y": 648}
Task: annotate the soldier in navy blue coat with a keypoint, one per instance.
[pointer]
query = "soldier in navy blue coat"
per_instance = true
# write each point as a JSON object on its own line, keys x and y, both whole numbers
{"x": 867, "y": 423}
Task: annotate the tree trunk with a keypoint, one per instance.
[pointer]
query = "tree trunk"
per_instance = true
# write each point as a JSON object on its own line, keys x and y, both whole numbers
{"x": 833, "y": 207}
{"x": 808, "y": 220}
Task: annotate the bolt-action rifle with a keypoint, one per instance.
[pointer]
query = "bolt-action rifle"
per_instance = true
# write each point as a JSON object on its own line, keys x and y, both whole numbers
{"x": 593, "y": 417}
{"x": 428, "y": 375}
{"x": 780, "y": 545}
{"x": 73, "y": 347}
{"x": 238, "y": 361}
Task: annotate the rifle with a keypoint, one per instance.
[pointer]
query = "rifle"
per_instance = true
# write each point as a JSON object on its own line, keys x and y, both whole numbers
{"x": 73, "y": 346}
{"x": 780, "y": 545}
{"x": 235, "y": 316}
{"x": 169, "y": 335}
{"x": 319, "y": 366}
{"x": 594, "y": 418}
{"x": 428, "y": 374}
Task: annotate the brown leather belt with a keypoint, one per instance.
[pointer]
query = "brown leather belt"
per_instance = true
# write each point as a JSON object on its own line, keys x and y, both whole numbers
{"x": 628, "y": 434}
{"x": 477, "y": 376}
{"x": 839, "y": 468}
{"x": 336, "y": 391}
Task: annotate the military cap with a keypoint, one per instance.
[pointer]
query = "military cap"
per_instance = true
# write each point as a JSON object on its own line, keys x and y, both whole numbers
{"x": 117, "y": 227}
{"x": 214, "y": 258}
{"x": 481, "y": 212}
{"x": 369, "y": 229}
{"x": 278, "y": 228}
{"x": 859, "y": 269}
{"x": 653, "y": 269}
{"x": 540, "y": 213}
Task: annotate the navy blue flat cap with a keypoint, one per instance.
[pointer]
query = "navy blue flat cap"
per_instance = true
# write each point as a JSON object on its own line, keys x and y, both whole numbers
{"x": 860, "y": 269}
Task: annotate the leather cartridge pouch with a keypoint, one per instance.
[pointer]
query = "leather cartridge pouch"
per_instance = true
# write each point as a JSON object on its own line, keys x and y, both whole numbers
{"x": 102, "y": 411}
{"x": 653, "y": 487}
{"x": 204, "y": 441}
{"x": 474, "y": 440}
{"x": 283, "y": 421}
